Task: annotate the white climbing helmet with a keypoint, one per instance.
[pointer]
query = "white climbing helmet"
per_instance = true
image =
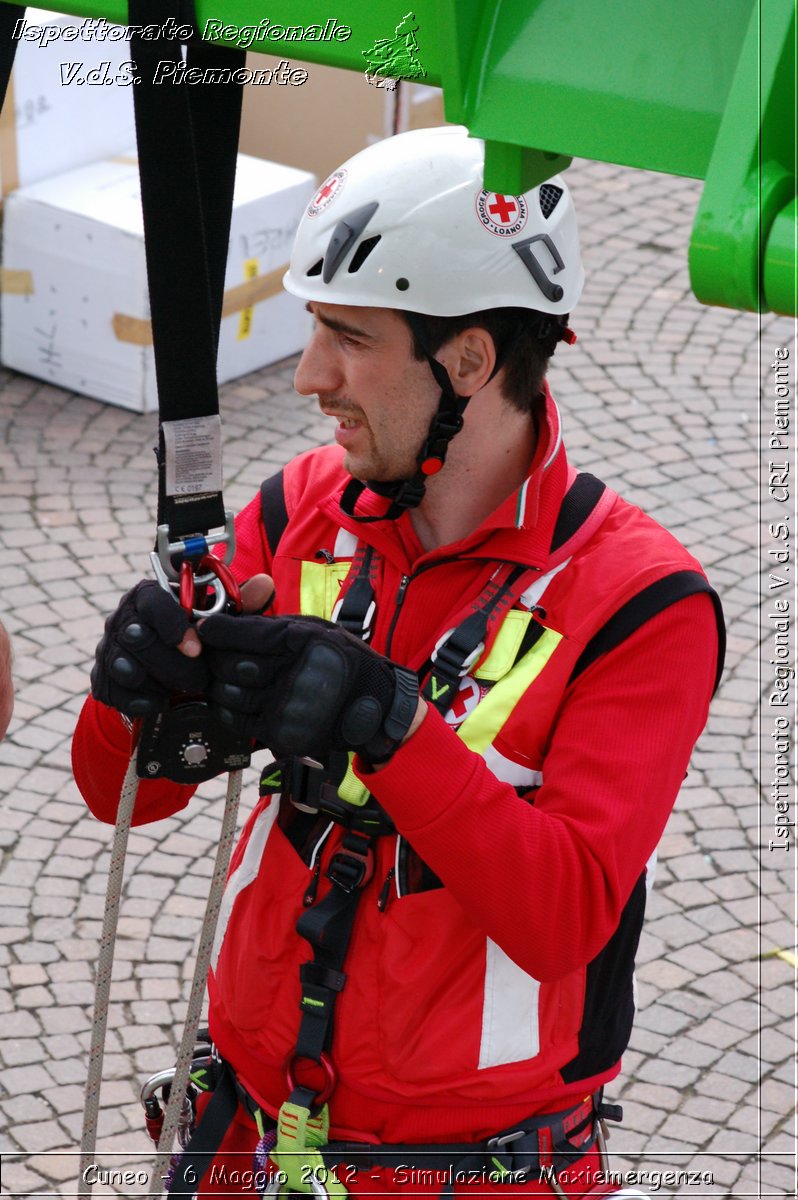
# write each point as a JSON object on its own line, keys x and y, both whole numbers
{"x": 407, "y": 224}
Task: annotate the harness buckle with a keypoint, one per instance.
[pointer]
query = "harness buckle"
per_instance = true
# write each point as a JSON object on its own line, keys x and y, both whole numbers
{"x": 352, "y": 865}
{"x": 505, "y": 1139}
{"x": 448, "y": 656}
{"x": 354, "y": 624}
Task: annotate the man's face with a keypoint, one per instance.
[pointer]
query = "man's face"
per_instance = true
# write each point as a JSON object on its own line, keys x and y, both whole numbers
{"x": 360, "y": 363}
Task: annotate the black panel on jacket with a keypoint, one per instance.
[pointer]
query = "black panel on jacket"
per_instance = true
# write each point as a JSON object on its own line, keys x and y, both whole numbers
{"x": 609, "y": 1008}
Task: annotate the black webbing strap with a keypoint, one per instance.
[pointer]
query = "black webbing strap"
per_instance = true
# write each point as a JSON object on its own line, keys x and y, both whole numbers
{"x": 327, "y": 926}
{"x": 451, "y": 659}
{"x": 9, "y": 15}
{"x": 578, "y": 503}
{"x": 187, "y": 143}
{"x": 355, "y": 613}
{"x": 646, "y": 604}
{"x": 536, "y": 1143}
{"x": 207, "y": 1138}
{"x": 273, "y": 510}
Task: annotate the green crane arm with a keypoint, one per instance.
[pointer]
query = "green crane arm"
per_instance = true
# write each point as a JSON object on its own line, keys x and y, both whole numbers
{"x": 700, "y": 88}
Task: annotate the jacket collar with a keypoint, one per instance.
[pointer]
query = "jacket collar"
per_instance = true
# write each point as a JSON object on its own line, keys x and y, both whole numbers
{"x": 519, "y": 530}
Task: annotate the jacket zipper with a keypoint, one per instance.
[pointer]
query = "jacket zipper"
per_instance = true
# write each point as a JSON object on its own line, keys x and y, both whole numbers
{"x": 407, "y": 579}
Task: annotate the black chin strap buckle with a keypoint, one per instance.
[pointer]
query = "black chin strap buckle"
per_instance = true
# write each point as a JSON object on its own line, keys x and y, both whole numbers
{"x": 433, "y": 453}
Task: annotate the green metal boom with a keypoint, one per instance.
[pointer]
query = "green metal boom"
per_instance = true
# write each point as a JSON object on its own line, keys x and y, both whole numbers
{"x": 700, "y": 88}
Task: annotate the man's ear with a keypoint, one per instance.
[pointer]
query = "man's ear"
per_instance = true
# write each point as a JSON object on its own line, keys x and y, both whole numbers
{"x": 469, "y": 357}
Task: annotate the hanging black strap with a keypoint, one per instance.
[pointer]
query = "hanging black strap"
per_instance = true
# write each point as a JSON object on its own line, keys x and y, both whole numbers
{"x": 10, "y": 14}
{"x": 187, "y": 143}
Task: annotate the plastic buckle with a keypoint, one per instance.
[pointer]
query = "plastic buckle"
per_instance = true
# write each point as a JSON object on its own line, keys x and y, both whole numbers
{"x": 443, "y": 652}
{"x": 353, "y": 623}
{"x": 357, "y": 869}
{"x": 505, "y": 1139}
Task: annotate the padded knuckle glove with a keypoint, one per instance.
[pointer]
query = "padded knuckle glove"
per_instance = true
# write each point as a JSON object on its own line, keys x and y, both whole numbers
{"x": 136, "y": 662}
{"x": 303, "y": 686}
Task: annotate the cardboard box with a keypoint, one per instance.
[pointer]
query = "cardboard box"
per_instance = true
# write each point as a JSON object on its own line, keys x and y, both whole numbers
{"x": 67, "y": 104}
{"x": 75, "y": 307}
{"x": 330, "y": 117}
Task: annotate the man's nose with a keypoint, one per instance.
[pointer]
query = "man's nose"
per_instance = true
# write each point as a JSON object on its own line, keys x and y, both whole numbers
{"x": 317, "y": 370}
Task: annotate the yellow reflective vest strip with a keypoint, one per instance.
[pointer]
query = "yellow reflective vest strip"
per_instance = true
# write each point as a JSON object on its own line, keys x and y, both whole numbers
{"x": 319, "y": 587}
{"x": 482, "y": 726}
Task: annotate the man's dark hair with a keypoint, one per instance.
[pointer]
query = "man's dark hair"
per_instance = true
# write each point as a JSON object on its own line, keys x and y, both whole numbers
{"x": 525, "y": 341}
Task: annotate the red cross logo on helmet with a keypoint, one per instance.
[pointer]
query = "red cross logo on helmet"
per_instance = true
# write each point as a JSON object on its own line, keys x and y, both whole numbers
{"x": 327, "y": 192}
{"x": 503, "y": 215}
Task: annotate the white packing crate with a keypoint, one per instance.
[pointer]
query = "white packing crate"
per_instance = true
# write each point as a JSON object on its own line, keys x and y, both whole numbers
{"x": 75, "y": 308}
{"x": 70, "y": 99}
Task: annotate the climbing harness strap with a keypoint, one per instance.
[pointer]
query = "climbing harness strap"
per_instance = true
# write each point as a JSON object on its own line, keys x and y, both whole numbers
{"x": 459, "y": 650}
{"x": 303, "y": 1122}
{"x": 550, "y": 1142}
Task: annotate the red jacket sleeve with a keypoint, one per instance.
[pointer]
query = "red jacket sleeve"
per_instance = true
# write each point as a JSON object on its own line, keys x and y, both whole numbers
{"x": 548, "y": 880}
{"x": 101, "y": 748}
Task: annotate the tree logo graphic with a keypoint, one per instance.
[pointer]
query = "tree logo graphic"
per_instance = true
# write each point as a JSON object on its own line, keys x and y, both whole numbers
{"x": 391, "y": 59}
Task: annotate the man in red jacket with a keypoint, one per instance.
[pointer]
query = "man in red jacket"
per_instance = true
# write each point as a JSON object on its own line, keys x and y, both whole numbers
{"x": 481, "y": 675}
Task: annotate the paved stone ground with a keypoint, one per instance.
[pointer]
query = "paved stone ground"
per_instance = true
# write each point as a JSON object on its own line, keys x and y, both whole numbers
{"x": 660, "y": 398}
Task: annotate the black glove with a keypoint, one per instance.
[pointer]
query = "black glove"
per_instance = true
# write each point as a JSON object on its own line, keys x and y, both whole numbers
{"x": 136, "y": 664}
{"x": 303, "y": 686}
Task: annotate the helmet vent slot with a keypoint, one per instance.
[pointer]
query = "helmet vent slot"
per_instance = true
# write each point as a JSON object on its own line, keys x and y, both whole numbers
{"x": 344, "y": 236}
{"x": 549, "y": 196}
{"x": 361, "y": 254}
{"x": 316, "y": 268}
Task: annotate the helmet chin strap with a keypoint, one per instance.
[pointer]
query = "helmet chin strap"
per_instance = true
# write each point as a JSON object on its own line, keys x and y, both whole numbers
{"x": 405, "y": 494}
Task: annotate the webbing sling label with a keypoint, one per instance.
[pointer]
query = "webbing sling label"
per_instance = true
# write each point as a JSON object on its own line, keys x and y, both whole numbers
{"x": 193, "y": 455}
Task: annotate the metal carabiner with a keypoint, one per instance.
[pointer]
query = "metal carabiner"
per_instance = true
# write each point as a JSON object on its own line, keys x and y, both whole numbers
{"x": 274, "y": 1188}
{"x": 194, "y": 553}
{"x": 225, "y": 586}
{"x": 154, "y": 1113}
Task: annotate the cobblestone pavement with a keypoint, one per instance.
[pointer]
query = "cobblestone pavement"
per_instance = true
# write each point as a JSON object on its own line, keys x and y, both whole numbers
{"x": 660, "y": 397}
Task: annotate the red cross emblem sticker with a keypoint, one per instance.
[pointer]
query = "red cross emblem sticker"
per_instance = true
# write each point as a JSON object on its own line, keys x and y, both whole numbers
{"x": 464, "y": 702}
{"x": 327, "y": 192}
{"x": 503, "y": 215}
